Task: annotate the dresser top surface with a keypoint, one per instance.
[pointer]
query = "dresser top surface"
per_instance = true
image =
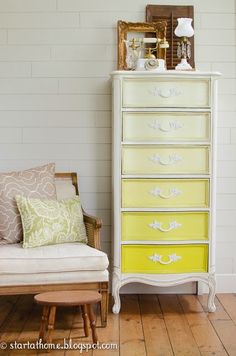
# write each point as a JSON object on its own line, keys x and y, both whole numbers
{"x": 166, "y": 73}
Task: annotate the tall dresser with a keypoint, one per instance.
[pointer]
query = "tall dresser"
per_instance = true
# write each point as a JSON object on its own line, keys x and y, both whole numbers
{"x": 164, "y": 153}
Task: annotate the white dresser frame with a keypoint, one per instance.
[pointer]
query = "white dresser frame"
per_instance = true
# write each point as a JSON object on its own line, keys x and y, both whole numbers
{"x": 161, "y": 280}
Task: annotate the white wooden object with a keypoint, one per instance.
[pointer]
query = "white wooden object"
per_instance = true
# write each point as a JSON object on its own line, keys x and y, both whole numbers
{"x": 164, "y": 164}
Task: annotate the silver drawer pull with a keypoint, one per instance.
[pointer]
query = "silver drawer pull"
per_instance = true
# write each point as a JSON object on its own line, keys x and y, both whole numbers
{"x": 171, "y": 126}
{"x": 157, "y": 225}
{"x": 158, "y": 258}
{"x": 165, "y": 92}
{"x": 172, "y": 159}
{"x": 174, "y": 192}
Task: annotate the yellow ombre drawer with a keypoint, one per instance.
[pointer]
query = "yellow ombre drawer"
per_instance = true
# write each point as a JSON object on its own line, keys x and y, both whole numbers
{"x": 165, "y": 193}
{"x": 164, "y": 226}
{"x": 140, "y": 159}
{"x": 166, "y": 126}
{"x": 163, "y": 92}
{"x": 164, "y": 258}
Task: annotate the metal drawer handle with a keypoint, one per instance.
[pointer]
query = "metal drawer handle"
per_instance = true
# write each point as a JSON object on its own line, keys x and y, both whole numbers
{"x": 171, "y": 126}
{"x": 174, "y": 192}
{"x": 172, "y": 159}
{"x": 165, "y": 92}
{"x": 157, "y": 225}
{"x": 158, "y": 258}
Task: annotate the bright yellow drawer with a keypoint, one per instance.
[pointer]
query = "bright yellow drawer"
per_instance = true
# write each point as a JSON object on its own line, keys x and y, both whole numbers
{"x": 164, "y": 258}
{"x": 165, "y": 193}
{"x": 161, "y": 159}
{"x": 163, "y": 92}
{"x": 166, "y": 126}
{"x": 164, "y": 226}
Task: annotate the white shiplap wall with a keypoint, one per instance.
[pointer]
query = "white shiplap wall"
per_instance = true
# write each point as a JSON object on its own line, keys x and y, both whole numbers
{"x": 55, "y": 60}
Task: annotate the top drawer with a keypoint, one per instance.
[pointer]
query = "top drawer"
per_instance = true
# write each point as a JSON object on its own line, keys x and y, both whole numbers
{"x": 161, "y": 92}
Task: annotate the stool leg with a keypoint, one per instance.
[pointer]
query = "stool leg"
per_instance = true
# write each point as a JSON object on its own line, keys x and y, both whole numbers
{"x": 92, "y": 323}
{"x": 44, "y": 322}
{"x": 51, "y": 321}
{"x": 85, "y": 318}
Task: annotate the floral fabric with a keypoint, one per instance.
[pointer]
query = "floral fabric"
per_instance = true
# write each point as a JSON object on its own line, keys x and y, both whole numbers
{"x": 35, "y": 183}
{"x": 49, "y": 222}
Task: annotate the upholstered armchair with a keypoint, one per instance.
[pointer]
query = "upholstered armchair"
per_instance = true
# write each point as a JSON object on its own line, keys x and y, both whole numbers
{"x": 70, "y": 266}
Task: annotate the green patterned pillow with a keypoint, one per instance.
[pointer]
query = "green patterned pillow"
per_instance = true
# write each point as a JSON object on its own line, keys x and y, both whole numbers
{"x": 49, "y": 222}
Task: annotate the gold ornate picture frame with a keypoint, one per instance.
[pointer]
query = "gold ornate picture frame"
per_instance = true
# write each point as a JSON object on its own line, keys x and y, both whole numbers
{"x": 123, "y": 28}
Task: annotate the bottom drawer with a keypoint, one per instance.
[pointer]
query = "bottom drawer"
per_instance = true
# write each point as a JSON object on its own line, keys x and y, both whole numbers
{"x": 164, "y": 258}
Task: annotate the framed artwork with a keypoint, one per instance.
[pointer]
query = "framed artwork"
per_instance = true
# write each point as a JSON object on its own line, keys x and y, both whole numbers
{"x": 157, "y": 29}
{"x": 170, "y": 14}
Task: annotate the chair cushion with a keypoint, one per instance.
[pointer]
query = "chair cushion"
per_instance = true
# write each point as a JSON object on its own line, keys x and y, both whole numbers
{"x": 23, "y": 279}
{"x": 36, "y": 183}
{"x": 50, "y": 222}
{"x": 54, "y": 258}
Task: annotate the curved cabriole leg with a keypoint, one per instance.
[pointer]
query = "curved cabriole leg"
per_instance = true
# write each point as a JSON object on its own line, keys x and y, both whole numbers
{"x": 116, "y": 293}
{"x": 212, "y": 293}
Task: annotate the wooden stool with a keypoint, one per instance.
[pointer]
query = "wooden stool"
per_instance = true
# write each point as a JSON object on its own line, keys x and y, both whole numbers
{"x": 51, "y": 300}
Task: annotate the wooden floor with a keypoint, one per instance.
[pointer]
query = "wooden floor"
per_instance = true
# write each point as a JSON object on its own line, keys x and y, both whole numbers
{"x": 153, "y": 325}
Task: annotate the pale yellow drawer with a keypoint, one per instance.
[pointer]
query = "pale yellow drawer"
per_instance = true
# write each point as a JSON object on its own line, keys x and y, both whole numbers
{"x": 164, "y": 258}
{"x": 164, "y": 226}
{"x": 165, "y": 193}
{"x": 162, "y": 92}
{"x": 169, "y": 126}
{"x": 161, "y": 159}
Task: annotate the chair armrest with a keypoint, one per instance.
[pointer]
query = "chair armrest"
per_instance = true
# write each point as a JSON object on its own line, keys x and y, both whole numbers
{"x": 93, "y": 226}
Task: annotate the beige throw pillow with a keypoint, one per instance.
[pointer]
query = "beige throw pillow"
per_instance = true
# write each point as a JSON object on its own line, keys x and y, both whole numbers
{"x": 35, "y": 183}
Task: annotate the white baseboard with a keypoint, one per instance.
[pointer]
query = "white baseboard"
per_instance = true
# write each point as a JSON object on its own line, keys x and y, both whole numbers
{"x": 225, "y": 283}
{"x": 139, "y": 288}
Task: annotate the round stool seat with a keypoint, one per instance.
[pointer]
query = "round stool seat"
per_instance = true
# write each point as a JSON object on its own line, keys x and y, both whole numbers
{"x": 68, "y": 298}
